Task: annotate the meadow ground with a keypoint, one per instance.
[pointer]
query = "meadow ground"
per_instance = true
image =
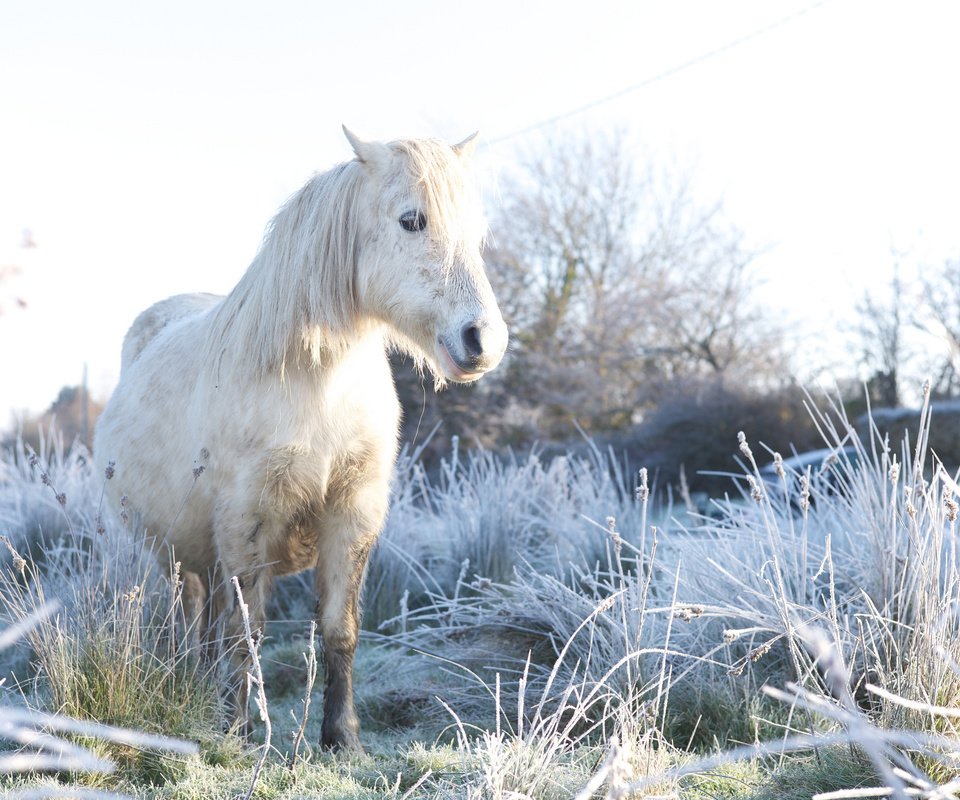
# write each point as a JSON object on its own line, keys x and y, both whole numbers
{"x": 532, "y": 629}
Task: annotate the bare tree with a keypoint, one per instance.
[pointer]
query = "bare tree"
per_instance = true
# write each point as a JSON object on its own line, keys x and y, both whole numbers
{"x": 616, "y": 283}
{"x": 880, "y": 328}
{"x": 939, "y": 315}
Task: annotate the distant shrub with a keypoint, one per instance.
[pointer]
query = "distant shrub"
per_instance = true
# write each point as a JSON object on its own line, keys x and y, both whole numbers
{"x": 900, "y": 423}
{"x": 694, "y": 429}
{"x": 73, "y": 412}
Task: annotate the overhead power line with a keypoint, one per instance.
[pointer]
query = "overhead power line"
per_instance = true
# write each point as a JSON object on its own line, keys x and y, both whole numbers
{"x": 660, "y": 76}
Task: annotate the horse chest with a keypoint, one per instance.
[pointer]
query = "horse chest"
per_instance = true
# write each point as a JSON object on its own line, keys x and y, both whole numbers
{"x": 300, "y": 481}
{"x": 309, "y": 494}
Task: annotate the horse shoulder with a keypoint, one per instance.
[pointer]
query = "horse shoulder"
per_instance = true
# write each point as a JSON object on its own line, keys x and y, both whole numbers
{"x": 361, "y": 473}
{"x": 157, "y": 317}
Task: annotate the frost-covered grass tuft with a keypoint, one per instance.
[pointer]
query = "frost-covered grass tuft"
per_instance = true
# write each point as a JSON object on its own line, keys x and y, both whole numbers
{"x": 117, "y": 648}
{"x": 486, "y": 516}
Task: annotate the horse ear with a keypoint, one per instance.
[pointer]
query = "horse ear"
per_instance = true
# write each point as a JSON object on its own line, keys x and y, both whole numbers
{"x": 369, "y": 153}
{"x": 465, "y": 148}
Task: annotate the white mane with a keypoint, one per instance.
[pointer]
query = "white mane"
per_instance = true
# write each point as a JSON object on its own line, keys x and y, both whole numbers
{"x": 297, "y": 295}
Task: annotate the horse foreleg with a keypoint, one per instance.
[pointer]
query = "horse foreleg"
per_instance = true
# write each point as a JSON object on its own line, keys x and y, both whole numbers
{"x": 339, "y": 575}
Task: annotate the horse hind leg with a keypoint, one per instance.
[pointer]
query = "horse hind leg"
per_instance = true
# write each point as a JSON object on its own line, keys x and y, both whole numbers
{"x": 248, "y": 565}
{"x": 211, "y": 615}
{"x": 194, "y": 599}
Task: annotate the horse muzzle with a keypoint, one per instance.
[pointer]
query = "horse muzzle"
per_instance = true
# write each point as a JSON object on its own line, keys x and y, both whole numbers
{"x": 476, "y": 349}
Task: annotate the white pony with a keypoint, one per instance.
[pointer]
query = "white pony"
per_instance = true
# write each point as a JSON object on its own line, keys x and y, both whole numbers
{"x": 281, "y": 391}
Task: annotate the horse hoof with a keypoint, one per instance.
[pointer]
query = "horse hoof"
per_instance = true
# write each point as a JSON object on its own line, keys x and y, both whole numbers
{"x": 346, "y": 743}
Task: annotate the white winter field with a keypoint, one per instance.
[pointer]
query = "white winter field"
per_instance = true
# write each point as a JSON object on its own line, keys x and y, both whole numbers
{"x": 532, "y": 629}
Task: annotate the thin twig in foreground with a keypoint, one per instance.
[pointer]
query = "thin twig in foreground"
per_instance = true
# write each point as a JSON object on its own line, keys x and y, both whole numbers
{"x": 255, "y": 677}
{"x": 311, "y": 659}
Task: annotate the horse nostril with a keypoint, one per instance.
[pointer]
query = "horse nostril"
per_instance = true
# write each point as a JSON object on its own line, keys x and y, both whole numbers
{"x": 471, "y": 342}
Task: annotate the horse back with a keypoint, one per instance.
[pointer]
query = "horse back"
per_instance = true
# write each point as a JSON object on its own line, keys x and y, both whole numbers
{"x": 150, "y": 322}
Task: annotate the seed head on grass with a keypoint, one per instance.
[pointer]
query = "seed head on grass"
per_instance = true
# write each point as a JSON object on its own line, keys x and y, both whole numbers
{"x": 745, "y": 448}
{"x": 949, "y": 504}
{"x": 108, "y": 473}
{"x": 805, "y": 492}
{"x": 46, "y": 480}
{"x": 614, "y": 536}
{"x": 759, "y": 652}
{"x": 643, "y": 490}
{"x": 688, "y": 613}
{"x": 19, "y": 562}
{"x": 778, "y": 466}
{"x": 606, "y": 604}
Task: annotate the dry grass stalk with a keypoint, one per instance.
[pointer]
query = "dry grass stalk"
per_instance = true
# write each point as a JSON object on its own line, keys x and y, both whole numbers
{"x": 311, "y": 658}
{"x": 255, "y": 677}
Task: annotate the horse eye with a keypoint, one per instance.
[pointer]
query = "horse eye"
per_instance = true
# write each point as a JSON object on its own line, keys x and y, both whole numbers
{"x": 413, "y": 221}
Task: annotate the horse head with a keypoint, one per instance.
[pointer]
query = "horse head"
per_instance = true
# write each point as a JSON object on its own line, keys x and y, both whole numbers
{"x": 420, "y": 269}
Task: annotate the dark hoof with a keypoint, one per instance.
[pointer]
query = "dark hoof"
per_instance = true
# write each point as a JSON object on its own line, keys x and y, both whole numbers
{"x": 347, "y": 742}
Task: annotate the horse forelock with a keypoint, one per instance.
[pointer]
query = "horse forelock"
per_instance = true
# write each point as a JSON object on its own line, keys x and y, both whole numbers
{"x": 447, "y": 188}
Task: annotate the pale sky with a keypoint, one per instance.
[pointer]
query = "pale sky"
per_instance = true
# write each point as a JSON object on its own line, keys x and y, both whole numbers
{"x": 146, "y": 146}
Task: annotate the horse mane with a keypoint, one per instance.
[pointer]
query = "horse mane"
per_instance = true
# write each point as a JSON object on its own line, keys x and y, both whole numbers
{"x": 298, "y": 298}
{"x": 300, "y": 283}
